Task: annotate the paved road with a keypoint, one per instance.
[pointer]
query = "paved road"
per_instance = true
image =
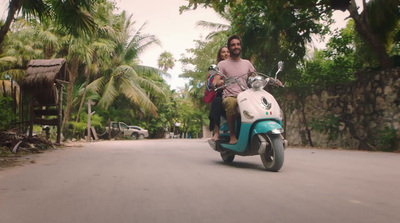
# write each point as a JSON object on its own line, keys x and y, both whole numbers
{"x": 184, "y": 181}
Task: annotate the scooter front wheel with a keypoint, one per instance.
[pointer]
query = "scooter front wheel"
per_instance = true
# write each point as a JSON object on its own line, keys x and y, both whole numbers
{"x": 273, "y": 156}
{"x": 227, "y": 157}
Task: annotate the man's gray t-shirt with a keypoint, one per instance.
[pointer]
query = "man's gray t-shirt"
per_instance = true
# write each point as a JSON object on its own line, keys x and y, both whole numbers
{"x": 235, "y": 68}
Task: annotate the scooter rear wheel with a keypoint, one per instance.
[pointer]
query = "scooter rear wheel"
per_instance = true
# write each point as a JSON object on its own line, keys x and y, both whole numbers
{"x": 273, "y": 157}
{"x": 227, "y": 157}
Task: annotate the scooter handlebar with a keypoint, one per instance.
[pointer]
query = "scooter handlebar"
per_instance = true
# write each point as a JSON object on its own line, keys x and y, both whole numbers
{"x": 233, "y": 80}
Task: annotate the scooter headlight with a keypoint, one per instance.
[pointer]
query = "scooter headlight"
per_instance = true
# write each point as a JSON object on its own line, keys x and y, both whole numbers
{"x": 276, "y": 131}
{"x": 257, "y": 83}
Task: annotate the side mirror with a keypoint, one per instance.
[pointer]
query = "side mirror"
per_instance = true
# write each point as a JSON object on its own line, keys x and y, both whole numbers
{"x": 280, "y": 68}
{"x": 280, "y": 65}
{"x": 213, "y": 69}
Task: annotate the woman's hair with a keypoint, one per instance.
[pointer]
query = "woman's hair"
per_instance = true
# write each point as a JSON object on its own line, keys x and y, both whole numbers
{"x": 219, "y": 58}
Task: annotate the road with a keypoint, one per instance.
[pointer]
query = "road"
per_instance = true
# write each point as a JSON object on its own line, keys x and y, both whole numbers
{"x": 184, "y": 181}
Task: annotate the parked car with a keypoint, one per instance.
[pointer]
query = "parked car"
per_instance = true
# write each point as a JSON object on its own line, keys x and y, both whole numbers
{"x": 122, "y": 129}
{"x": 141, "y": 133}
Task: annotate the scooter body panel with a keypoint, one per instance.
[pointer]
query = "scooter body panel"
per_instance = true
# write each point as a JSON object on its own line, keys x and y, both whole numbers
{"x": 267, "y": 127}
{"x": 257, "y": 105}
{"x": 243, "y": 139}
{"x": 262, "y": 106}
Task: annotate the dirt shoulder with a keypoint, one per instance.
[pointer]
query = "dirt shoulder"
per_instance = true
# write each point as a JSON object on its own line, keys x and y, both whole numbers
{"x": 29, "y": 153}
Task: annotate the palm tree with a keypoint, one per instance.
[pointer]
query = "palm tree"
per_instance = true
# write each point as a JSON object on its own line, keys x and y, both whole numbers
{"x": 20, "y": 48}
{"x": 218, "y": 29}
{"x": 166, "y": 61}
{"x": 49, "y": 35}
{"x": 79, "y": 51}
{"x": 122, "y": 77}
{"x": 73, "y": 15}
{"x": 102, "y": 47}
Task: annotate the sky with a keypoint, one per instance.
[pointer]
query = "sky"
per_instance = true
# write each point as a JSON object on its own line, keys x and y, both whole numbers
{"x": 175, "y": 31}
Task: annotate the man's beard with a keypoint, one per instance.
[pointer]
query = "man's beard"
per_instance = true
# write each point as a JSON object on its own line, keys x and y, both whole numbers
{"x": 232, "y": 53}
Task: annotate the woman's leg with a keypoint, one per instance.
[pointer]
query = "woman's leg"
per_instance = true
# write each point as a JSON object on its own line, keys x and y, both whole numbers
{"x": 215, "y": 116}
{"x": 216, "y": 133}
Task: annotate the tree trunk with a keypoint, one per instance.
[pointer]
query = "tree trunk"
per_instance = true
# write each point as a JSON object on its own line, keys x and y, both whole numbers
{"x": 72, "y": 78}
{"x": 308, "y": 131}
{"x": 364, "y": 29}
{"x": 13, "y": 8}
{"x": 82, "y": 100}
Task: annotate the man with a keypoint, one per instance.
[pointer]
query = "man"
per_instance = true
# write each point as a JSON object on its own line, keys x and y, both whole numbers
{"x": 232, "y": 67}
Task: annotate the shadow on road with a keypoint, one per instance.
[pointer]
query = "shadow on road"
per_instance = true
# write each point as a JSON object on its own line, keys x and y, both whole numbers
{"x": 242, "y": 165}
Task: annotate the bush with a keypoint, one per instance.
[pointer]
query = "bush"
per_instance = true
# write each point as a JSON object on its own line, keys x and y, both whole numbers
{"x": 388, "y": 139}
{"x": 6, "y": 113}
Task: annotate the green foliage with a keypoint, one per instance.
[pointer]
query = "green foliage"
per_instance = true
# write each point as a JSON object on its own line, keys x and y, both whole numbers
{"x": 190, "y": 117}
{"x": 81, "y": 126}
{"x": 167, "y": 118}
{"x": 272, "y": 32}
{"x": 196, "y": 63}
{"x": 331, "y": 66}
{"x": 192, "y": 110}
{"x": 388, "y": 139}
{"x": 327, "y": 125}
{"x": 6, "y": 113}
{"x": 384, "y": 17}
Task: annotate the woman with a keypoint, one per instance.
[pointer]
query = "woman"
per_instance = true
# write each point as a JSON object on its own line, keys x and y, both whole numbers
{"x": 216, "y": 105}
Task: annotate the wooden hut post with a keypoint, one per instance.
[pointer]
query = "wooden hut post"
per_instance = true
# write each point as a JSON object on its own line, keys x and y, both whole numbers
{"x": 32, "y": 115}
{"x": 20, "y": 111}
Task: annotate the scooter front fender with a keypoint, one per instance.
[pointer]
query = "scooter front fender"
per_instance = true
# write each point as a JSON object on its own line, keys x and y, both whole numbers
{"x": 268, "y": 127}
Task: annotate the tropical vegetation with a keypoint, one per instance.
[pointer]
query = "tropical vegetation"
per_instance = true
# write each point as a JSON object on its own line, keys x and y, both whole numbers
{"x": 273, "y": 31}
{"x": 103, "y": 50}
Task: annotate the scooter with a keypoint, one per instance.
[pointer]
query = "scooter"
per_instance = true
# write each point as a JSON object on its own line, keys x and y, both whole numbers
{"x": 259, "y": 127}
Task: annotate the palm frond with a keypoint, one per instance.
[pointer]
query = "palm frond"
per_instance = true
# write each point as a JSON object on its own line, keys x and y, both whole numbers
{"x": 135, "y": 93}
{"x": 150, "y": 71}
{"x": 151, "y": 86}
{"x": 77, "y": 21}
{"x": 213, "y": 26}
{"x": 109, "y": 94}
{"x": 48, "y": 38}
{"x": 35, "y": 9}
{"x": 96, "y": 85}
{"x": 140, "y": 42}
{"x": 126, "y": 71}
{"x": 7, "y": 61}
{"x": 131, "y": 90}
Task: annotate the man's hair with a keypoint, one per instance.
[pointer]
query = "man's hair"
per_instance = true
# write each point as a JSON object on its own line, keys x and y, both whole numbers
{"x": 231, "y": 38}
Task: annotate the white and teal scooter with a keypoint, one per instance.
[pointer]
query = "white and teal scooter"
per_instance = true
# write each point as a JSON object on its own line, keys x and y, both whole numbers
{"x": 259, "y": 128}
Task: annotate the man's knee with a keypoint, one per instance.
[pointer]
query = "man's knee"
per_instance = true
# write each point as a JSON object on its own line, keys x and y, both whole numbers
{"x": 230, "y": 105}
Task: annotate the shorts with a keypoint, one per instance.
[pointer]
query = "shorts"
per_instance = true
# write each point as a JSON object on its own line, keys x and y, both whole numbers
{"x": 230, "y": 105}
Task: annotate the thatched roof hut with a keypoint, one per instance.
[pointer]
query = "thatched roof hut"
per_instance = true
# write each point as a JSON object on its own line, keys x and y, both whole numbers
{"x": 41, "y": 76}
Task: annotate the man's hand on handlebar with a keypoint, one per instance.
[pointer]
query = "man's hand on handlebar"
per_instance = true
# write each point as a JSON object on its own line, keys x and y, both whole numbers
{"x": 252, "y": 74}
{"x": 278, "y": 83}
